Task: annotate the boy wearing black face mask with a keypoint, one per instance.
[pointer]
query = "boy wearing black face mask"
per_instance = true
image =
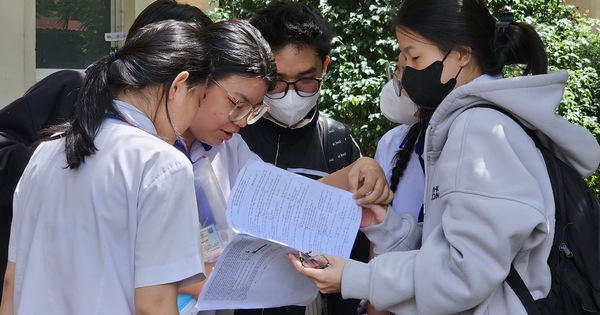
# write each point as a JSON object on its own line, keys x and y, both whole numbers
{"x": 293, "y": 135}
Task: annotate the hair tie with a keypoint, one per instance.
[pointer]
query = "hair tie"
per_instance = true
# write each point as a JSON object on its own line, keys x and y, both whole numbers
{"x": 505, "y": 19}
{"x": 112, "y": 57}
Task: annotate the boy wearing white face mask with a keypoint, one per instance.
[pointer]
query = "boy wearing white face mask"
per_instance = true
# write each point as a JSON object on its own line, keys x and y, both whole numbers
{"x": 293, "y": 135}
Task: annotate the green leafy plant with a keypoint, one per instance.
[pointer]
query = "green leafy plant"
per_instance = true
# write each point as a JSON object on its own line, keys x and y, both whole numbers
{"x": 364, "y": 42}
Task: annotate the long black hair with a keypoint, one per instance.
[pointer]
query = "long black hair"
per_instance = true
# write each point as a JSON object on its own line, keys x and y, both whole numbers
{"x": 449, "y": 24}
{"x": 155, "y": 55}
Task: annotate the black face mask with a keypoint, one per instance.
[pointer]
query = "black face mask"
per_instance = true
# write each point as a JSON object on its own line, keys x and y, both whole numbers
{"x": 424, "y": 87}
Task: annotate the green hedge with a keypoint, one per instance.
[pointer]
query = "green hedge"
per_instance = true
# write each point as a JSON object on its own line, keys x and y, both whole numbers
{"x": 364, "y": 42}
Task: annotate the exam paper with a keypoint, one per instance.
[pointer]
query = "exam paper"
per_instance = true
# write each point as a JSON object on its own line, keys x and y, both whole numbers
{"x": 255, "y": 273}
{"x": 277, "y": 212}
{"x": 270, "y": 203}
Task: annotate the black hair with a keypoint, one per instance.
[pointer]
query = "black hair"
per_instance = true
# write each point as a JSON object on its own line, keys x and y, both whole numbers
{"x": 155, "y": 55}
{"x": 449, "y": 24}
{"x": 161, "y": 10}
{"x": 238, "y": 48}
{"x": 283, "y": 23}
{"x": 402, "y": 156}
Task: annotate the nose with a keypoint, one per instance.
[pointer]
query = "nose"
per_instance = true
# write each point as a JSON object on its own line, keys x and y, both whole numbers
{"x": 242, "y": 122}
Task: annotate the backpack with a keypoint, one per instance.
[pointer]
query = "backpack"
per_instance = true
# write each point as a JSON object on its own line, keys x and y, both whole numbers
{"x": 574, "y": 259}
{"x": 337, "y": 143}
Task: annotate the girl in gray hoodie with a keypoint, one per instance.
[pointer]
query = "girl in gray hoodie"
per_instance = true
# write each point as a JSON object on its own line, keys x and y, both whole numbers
{"x": 488, "y": 201}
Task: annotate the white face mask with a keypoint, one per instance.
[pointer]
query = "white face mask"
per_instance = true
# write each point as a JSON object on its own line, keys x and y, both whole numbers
{"x": 399, "y": 109}
{"x": 290, "y": 109}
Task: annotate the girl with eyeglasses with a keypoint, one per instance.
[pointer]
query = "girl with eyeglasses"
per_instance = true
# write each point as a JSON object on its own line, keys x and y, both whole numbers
{"x": 244, "y": 71}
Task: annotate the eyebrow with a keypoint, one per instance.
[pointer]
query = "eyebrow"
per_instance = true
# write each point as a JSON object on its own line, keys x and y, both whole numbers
{"x": 310, "y": 70}
{"x": 243, "y": 98}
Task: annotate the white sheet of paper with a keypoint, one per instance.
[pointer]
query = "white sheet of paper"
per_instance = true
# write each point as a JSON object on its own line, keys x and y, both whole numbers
{"x": 270, "y": 203}
{"x": 255, "y": 273}
{"x": 277, "y": 212}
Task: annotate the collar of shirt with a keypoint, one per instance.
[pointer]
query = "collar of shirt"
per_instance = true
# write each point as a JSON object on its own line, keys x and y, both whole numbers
{"x": 135, "y": 116}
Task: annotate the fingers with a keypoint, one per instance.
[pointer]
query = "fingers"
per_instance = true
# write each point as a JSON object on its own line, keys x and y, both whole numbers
{"x": 374, "y": 191}
{"x": 327, "y": 280}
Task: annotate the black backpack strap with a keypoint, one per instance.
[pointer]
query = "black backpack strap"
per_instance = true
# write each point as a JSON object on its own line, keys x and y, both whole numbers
{"x": 516, "y": 283}
{"x": 337, "y": 144}
{"x": 513, "y": 279}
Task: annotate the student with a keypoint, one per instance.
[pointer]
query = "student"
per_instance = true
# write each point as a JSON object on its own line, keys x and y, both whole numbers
{"x": 105, "y": 215}
{"x": 489, "y": 203}
{"x": 245, "y": 71}
{"x": 294, "y": 135}
{"x": 50, "y": 102}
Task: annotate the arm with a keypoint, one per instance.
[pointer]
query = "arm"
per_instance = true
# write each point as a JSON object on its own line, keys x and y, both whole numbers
{"x": 7, "y": 304}
{"x": 157, "y": 299}
{"x": 196, "y": 288}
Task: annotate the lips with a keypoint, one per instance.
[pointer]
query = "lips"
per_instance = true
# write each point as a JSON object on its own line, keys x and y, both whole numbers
{"x": 226, "y": 135}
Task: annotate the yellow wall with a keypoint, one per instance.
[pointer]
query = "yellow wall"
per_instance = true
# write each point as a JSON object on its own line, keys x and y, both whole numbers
{"x": 590, "y": 6}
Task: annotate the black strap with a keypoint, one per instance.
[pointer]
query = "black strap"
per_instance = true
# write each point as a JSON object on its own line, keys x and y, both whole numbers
{"x": 513, "y": 279}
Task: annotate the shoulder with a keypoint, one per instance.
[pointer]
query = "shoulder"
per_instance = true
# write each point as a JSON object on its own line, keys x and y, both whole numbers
{"x": 394, "y": 135}
{"x": 155, "y": 156}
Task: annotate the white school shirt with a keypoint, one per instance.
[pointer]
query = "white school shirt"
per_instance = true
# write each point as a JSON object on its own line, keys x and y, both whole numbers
{"x": 408, "y": 197}
{"x": 83, "y": 240}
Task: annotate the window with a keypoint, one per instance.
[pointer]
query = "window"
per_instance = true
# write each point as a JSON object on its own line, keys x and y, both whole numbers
{"x": 70, "y": 33}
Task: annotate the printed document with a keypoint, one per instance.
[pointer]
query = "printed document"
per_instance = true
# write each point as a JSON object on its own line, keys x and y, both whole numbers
{"x": 277, "y": 212}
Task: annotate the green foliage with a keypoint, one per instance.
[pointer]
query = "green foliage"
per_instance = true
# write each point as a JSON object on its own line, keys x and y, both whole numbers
{"x": 364, "y": 42}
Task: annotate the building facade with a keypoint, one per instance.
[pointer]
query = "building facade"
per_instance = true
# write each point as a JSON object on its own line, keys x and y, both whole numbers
{"x": 40, "y": 39}
{"x": 37, "y": 40}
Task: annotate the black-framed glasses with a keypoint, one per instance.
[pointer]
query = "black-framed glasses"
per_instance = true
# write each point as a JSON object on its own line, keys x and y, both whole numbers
{"x": 316, "y": 261}
{"x": 396, "y": 77}
{"x": 304, "y": 87}
{"x": 243, "y": 109}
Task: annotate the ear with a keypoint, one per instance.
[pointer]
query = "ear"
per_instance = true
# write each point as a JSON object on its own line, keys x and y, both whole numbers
{"x": 465, "y": 55}
{"x": 179, "y": 85}
{"x": 325, "y": 64}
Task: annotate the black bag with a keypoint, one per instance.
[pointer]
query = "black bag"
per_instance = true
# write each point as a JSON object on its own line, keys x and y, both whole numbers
{"x": 575, "y": 255}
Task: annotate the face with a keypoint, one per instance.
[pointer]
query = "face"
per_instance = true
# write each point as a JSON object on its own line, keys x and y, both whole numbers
{"x": 419, "y": 53}
{"x": 212, "y": 124}
{"x": 294, "y": 63}
{"x": 183, "y": 104}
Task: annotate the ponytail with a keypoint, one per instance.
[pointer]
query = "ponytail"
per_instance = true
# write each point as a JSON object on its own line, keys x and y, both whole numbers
{"x": 154, "y": 56}
{"x": 93, "y": 102}
{"x": 519, "y": 43}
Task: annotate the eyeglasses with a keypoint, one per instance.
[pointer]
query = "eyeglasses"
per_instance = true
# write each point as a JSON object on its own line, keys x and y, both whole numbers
{"x": 396, "y": 78}
{"x": 304, "y": 87}
{"x": 243, "y": 109}
{"x": 316, "y": 262}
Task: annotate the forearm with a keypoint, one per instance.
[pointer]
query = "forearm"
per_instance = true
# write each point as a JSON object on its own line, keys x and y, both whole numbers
{"x": 156, "y": 300}
{"x": 7, "y": 304}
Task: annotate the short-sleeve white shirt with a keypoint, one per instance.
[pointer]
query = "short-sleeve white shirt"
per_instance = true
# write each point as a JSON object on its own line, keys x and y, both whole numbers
{"x": 82, "y": 240}
{"x": 408, "y": 197}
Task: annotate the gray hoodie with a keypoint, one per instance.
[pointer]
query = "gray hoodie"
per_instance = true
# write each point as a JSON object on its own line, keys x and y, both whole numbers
{"x": 488, "y": 204}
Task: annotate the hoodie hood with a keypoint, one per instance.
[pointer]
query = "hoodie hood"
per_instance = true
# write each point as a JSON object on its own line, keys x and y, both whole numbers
{"x": 531, "y": 99}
